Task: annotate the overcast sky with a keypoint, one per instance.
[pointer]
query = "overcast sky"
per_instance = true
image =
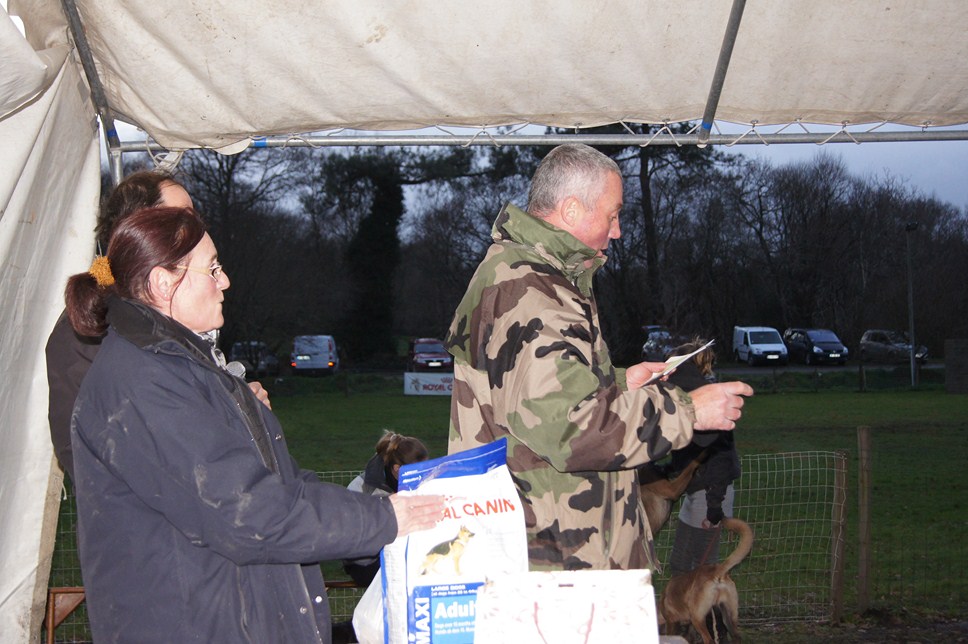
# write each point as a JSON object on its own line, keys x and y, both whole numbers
{"x": 938, "y": 168}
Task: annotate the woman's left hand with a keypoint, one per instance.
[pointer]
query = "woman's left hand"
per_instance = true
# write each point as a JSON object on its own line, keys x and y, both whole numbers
{"x": 417, "y": 511}
{"x": 260, "y": 393}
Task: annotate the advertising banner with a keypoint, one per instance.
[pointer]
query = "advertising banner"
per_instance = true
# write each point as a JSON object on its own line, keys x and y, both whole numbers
{"x": 428, "y": 384}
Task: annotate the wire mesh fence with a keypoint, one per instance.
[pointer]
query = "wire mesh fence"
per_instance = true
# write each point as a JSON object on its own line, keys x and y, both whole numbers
{"x": 65, "y": 570}
{"x": 794, "y": 503}
{"x": 788, "y": 499}
{"x": 342, "y": 601}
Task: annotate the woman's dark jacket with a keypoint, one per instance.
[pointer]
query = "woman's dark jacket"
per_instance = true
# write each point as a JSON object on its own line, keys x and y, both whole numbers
{"x": 375, "y": 479}
{"x": 69, "y": 356}
{"x": 194, "y": 522}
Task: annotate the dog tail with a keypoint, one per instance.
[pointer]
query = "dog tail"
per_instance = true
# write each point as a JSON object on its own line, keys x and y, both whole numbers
{"x": 741, "y": 528}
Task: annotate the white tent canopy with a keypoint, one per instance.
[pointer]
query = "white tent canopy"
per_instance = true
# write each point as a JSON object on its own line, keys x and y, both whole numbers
{"x": 206, "y": 73}
{"x": 220, "y": 73}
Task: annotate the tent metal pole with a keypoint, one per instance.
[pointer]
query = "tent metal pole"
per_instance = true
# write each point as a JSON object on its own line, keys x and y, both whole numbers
{"x": 97, "y": 88}
{"x": 115, "y": 166}
{"x": 719, "y": 77}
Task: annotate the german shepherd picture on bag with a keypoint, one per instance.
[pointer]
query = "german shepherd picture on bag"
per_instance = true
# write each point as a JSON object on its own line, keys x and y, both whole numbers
{"x": 452, "y": 549}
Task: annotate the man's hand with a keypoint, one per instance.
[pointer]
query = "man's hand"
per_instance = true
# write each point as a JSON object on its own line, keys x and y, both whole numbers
{"x": 639, "y": 374}
{"x": 260, "y": 393}
{"x": 719, "y": 405}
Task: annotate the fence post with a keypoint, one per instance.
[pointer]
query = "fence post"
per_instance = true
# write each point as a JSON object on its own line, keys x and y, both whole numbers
{"x": 861, "y": 377}
{"x": 838, "y": 530}
{"x": 48, "y": 539}
{"x": 863, "y": 517}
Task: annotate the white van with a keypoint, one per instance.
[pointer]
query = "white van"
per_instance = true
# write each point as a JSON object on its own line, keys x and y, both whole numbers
{"x": 759, "y": 345}
{"x": 314, "y": 354}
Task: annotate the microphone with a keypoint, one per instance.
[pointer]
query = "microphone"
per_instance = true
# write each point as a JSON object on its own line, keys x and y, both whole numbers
{"x": 236, "y": 368}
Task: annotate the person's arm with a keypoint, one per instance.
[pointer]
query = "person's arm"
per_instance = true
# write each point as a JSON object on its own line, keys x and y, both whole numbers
{"x": 719, "y": 405}
{"x": 188, "y": 457}
{"x": 715, "y": 495}
{"x": 553, "y": 402}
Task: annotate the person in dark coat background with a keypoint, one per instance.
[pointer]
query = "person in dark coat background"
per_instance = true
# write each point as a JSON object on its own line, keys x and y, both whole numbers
{"x": 195, "y": 524}
{"x": 709, "y": 496}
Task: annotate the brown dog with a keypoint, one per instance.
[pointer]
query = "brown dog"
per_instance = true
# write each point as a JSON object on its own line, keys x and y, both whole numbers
{"x": 690, "y": 597}
{"x": 659, "y": 493}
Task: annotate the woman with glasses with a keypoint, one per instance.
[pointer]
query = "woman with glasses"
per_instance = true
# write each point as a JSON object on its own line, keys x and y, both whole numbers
{"x": 194, "y": 522}
{"x": 70, "y": 355}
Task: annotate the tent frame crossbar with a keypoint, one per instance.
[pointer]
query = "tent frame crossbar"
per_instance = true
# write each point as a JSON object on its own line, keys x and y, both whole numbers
{"x": 750, "y": 137}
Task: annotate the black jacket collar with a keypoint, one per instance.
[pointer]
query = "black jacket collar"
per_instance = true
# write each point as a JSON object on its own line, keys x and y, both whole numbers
{"x": 377, "y": 475}
{"x": 148, "y": 329}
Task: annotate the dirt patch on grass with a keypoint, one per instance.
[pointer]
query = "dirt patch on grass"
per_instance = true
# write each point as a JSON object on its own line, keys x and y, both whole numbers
{"x": 873, "y": 626}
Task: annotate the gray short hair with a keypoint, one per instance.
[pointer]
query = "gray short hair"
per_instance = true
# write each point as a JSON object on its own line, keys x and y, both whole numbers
{"x": 572, "y": 169}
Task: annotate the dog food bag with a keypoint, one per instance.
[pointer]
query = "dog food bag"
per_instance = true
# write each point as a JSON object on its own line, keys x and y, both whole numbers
{"x": 431, "y": 577}
{"x": 569, "y": 607}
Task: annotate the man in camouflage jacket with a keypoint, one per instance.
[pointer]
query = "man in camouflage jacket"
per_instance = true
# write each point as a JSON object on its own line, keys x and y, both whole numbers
{"x": 531, "y": 365}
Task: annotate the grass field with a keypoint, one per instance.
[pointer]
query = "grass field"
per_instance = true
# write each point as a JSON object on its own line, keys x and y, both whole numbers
{"x": 332, "y": 423}
{"x": 919, "y": 441}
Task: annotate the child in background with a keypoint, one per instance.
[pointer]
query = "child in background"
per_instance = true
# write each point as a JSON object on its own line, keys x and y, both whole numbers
{"x": 379, "y": 478}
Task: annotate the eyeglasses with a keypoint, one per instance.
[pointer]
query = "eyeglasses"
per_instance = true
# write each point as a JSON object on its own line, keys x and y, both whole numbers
{"x": 214, "y": 271}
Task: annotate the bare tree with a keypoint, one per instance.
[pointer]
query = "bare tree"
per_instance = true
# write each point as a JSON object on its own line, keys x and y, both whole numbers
{"x": 446, "y": 238}
{"x": 246, "y": 201}
{"x": 384, "y": 243}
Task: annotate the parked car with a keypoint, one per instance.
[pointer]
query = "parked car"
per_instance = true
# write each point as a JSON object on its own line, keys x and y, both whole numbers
{"x": 256, "y": 357}
{"x": 659, "y": 341}
{"x": 428, "y": 354}
{"x": 313, "y": 354}
{"x": 756, "y": 345}
{"x": 815, "y": 346}
{"x": 881, "y": 345}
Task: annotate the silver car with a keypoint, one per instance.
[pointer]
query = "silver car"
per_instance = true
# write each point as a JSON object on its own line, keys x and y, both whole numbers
{"x": 880, "y": 345}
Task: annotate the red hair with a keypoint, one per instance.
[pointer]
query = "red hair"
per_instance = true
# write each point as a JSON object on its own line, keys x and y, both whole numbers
{"x": 139, "y": 242}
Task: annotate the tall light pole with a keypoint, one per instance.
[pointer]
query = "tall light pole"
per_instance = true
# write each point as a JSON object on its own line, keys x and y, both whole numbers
{"x": 909, "y": 228}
